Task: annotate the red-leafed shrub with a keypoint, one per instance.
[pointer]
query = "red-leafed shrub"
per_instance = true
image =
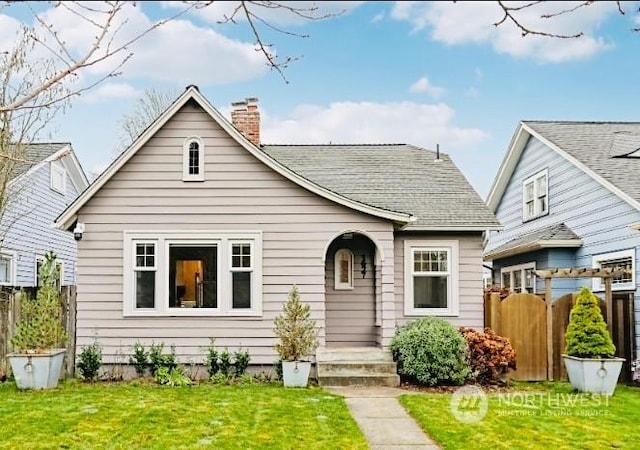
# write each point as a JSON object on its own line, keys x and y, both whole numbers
{"x": 490, "y": 356}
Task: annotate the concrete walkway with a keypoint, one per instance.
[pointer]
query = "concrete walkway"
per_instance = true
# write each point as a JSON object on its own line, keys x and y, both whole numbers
{"x": 382, "y": 419}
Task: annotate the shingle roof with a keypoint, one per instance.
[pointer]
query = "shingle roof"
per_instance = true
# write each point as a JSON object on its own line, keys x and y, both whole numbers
{"x": 601, "y": 146}
{"x": 36, "y": 153}
{"x": 536, "y": 240}
{"x": 396, "y": 177}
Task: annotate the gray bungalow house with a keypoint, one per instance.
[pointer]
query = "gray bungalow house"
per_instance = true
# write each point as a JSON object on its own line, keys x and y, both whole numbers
{"x": 199, "y": 231}
{"x": 568, "y": 195}
{"x": 39, "y": 188}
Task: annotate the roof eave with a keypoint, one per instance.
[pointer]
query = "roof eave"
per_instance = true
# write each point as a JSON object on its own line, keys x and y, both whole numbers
{"x": 478, "y": 227}
{"x": 532, "y": 246}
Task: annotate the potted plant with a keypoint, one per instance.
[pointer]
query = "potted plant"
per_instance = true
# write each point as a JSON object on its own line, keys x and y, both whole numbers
{"x": 298, "y": 338}
{"x": 40, "y": 337}
{"x": 589, "y": 352}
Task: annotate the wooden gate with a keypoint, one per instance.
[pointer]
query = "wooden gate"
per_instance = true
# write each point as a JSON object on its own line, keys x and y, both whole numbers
{"x": 522, "y": 319}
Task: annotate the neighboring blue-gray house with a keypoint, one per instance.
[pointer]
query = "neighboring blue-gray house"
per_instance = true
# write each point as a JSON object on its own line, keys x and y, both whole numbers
{"x": 40, "y": 188}
{"x": 568, "y": 195}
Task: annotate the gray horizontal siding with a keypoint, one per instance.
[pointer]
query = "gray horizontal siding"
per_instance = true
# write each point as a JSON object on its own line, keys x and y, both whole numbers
{"x": 470, "y": 277}
{"x": 239, "y": 193}
{"x": 594, "y": 213}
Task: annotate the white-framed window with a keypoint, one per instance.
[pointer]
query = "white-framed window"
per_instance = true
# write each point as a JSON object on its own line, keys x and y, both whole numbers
{"x": 7, "y": 268}
{"x": 193, "y": 273}
{"x": 621, "y": 259}
{"x": 431, "y": 278}
{"x": 193, "y": 159}
{"x": 520, "y": 278}
{"x": 535, "y": 195}
{"x": 59, "y": 267}
{"x": 343, "y": 270}
{"x": 58, "y": 177}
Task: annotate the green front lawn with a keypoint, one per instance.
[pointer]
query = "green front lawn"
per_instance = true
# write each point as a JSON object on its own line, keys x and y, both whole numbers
{"x": 534, "y": 416}
{"x": 125, "y": 416}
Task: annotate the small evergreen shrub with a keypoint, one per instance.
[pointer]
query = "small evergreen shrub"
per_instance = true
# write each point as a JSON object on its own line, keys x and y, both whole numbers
{"x": 295, "y": 330}
{"x": 89, "y": 361}
{"x": 211, "y": 359}
{"x": 489, "y": 356}
{"x": 241, "y": 362}
{"x": 431, "y": 351}
{"x": 139, "y": 359}
{"x": 587, "y": 335}
{"x": 158, "y": 359}
{"x": 225, "y": 362}
{"x": 40, "y": 326}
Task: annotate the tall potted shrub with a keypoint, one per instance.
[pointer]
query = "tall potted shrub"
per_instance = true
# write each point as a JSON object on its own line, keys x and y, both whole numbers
{"x": 40, "y": 336}
{"x": 589, "y": 352}
{"x": 298, "y": 338}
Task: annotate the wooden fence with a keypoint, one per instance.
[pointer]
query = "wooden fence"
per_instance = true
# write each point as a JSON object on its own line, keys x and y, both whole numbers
{"x": 522, "y": 319}
{"x": 10, "y": 313}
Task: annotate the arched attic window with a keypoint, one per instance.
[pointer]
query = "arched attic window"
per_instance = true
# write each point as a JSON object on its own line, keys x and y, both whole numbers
{"x": 343, "y": 269}
{"x": 193, "y": 159}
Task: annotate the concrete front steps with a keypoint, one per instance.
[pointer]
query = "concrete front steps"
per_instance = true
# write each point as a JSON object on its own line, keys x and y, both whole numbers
{"x": 356, "y": 366}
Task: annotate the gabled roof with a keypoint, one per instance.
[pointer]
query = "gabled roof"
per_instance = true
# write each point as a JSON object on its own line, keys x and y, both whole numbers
{"x": 395, "y": 182}
{"x": 397, "y": 177}
{"x": 38, "y": 154}
{"x": 554, "y": 236}
{"x": 606, "y": 151}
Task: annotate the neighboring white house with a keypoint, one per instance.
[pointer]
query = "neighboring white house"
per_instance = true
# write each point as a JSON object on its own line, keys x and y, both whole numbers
{"x": 199, "y": 231}
{"x": 40, "y": 189}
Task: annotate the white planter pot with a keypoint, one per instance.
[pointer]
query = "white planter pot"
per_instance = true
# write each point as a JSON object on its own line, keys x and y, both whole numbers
{"x": 295, "y": 373}
{"x": 598, "y": 376}
{"x": 38, "y": 370}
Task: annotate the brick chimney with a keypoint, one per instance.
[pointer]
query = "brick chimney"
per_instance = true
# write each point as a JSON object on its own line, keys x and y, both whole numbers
{"x": 246, "y": 118}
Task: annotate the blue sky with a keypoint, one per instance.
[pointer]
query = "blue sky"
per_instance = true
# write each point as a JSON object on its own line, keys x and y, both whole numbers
{"x": 423, "y": 73}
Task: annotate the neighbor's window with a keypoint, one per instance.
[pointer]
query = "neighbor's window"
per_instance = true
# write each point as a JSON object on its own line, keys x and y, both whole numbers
{"x": 58, "y": 177}
{"x": 431, "y": 278}
{"x": 193, "y": 160}
{"x": 535, "y": 196}
{"x": 194, "y": 273}
{"x": 6, "y": 270}
{"x": 59, "y": 268}
{"x": 520, "y": 278}
{"x": 624, "y": 259}
{"x": 343, "y": 269}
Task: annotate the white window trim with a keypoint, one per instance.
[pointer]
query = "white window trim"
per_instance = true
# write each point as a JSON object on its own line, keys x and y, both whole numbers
{"x": 56, "y": 166}
{"x": 232, "y": 269}
{"x": 339, "y": 286}
{"x": 529, "y": 180}
{"x": 186, "y": 176}
{"x": 133, "y": 267}
{"x": 522, "y": 268}
{"x": 11, "y": 256}
{"x": 223, "y": 240}
{"x": 598, "y": 284}
{"x": 453, "y": 306}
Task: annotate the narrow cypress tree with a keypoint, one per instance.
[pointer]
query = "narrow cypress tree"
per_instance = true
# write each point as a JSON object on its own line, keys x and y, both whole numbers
{"x": 297, "y": 332}
{"x": 587, "y": 335}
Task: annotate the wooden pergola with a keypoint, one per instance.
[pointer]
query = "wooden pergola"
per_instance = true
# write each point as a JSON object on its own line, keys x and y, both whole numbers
{"x": 606, "y": 273}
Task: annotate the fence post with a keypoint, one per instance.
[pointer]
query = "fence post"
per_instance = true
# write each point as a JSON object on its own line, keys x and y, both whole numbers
{"x": 548, "y": 301}
{"x": 71, "y": 330}
{"x": 4, "y": 330}
{"x": 495, "y": 312}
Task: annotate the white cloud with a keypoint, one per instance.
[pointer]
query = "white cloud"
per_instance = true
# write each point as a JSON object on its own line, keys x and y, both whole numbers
{"x": 473, "y": 22}
{"x": 179, "y": 52}
{"x": 424, "y": 86}
{"x": 368, "y": 122}
{"x": 110, "y": 91}
{"x": 217, "y": 11}
{"x": 378, "y": 17}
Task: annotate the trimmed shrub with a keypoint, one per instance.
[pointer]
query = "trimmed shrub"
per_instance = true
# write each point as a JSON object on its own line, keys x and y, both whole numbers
{"x": 431, "y": 351}
{"x": 89, "y": 361}
{"x": 587, "y": 335}
{"x": 490, "y": 356}
{"x": 139, "y": 359}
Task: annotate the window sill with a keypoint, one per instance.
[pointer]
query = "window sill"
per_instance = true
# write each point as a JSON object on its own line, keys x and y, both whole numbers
{"x": 193, "y": 179}
{"x": 529, "y": 219}
{"x": 442, "y": 312}
{"x": 346, "y": 288}
{"x": 191, "y": 313}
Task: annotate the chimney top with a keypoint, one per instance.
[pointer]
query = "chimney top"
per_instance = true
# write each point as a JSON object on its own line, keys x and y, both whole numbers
{"x": 192, "y": 86}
